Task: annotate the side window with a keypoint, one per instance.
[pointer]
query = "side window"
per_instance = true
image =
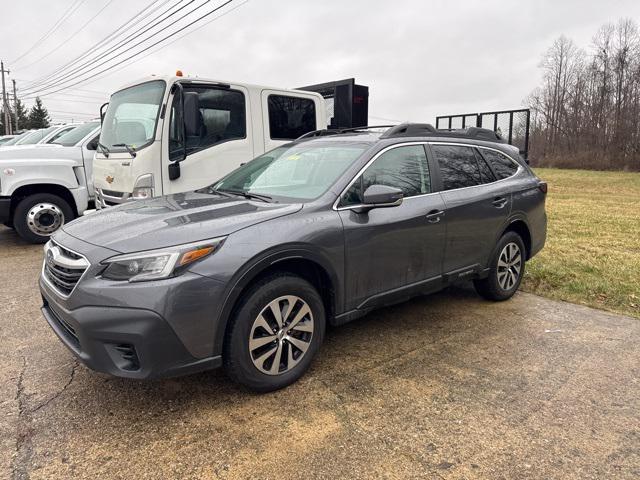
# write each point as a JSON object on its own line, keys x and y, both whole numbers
{"x": 458, "y": 166}
{"x": 221, "y": 117}
{"x": 405, "y": 168}
{"x": 503, "y": 166}
{"x": 290, "y": 117}
{"x": 486, "y": 175}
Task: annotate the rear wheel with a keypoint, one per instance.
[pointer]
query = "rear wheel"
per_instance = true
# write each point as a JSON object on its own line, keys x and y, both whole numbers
{"x": 506, "y": 269}
{"x": 37, "y": 216}
{"x": 275, "y": 333}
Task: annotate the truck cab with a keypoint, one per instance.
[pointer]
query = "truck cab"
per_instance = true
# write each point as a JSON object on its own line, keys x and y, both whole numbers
{"x": 172, "y": 134}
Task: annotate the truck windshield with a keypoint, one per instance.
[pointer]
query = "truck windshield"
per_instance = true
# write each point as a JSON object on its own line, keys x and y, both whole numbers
{"x": 299, "y": 172}
{"x": 130, "y": 121}
{"x": 69, "y": 139}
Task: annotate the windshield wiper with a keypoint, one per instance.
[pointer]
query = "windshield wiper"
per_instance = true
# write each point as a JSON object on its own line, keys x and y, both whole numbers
{"x": 104, "y": 149}
{"x": 130, "y": 149}
{"x": 248, "y": 195}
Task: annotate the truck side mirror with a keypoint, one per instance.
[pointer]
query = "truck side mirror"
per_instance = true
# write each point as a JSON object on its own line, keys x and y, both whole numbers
{"x": 102, "y": 113}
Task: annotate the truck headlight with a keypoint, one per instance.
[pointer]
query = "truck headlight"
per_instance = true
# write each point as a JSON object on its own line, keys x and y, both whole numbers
{"x": 158, "y": 264}
{"x": 143, "y": 188}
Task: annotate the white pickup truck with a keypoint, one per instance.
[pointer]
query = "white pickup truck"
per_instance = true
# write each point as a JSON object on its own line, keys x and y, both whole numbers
{"x": 172, "y": 134}
{"x": 44, "y": 186}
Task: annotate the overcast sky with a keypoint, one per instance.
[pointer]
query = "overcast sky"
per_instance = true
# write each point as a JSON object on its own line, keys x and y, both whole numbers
{"x": 419, "y": 58}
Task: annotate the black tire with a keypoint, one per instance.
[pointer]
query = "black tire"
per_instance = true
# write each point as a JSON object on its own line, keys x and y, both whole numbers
{"x": 491, "y": 287}
{"x": 21, "y": 218}
{"x": 238, "y": 361}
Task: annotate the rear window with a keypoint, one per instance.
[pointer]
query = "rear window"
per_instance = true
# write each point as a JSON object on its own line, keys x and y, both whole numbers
{"x": 503, "y": 166}
{"x": 290, "y": 117}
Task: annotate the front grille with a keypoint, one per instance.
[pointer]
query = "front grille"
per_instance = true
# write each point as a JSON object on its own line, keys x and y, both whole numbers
{"x": 62, "y": 267}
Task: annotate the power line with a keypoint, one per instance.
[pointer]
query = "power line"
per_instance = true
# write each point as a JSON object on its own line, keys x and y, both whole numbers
{"x": 85, "y": 25}
{"x": 115, "y": 32}
{"x": 72, "y": 8}
{"x": 94, "y": 52}
{"x": 127, "y": 63}
{"x": 82, "y": 70}
{"x": 143, "y": 50}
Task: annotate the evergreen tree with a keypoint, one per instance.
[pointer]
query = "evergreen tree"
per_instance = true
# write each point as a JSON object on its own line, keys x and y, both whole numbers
{"x": 23, "y": 115}
{"x": 38, "y": 116}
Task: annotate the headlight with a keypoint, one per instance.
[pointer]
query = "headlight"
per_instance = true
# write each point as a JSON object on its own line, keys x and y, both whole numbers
{"x": 143, "y": 187}
{"x": 158, "y": 264}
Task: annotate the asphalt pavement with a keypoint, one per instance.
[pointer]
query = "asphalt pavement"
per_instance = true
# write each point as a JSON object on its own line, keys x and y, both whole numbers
{"x": 446, "y": 386}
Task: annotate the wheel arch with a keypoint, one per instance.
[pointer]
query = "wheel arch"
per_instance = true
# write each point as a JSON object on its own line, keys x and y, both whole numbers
{"x": 304, "y": 263}
{"x": 520, "y": 226}
{"x": 51, "y": 188}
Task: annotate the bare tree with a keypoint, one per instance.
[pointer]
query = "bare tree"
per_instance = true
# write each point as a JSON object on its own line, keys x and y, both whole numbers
{"x": 586, "y": 112}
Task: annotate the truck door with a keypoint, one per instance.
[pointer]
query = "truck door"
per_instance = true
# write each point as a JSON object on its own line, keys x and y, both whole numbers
{"x": 288, "y": 115}
{"x": 219, "y": 135}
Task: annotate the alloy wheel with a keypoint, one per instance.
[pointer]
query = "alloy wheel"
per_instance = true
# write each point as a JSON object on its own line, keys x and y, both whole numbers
{"x": 281, "y": 335}
{"x": 509, "y": 266}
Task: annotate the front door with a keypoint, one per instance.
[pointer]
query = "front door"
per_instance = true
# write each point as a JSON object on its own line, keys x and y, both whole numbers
{"x": 218, "y": 138}
{"x": 389, "y": 251}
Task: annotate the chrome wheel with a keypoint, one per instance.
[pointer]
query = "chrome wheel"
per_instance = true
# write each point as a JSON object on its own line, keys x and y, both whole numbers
{"x": 44, "y": 218}
{"x": 509, "y": 266}
{"x": 281, "y": 335}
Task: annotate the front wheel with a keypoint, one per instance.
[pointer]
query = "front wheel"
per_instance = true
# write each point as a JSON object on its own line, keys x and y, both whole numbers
{"x": 37, "y": 216}
{"x": 506, "y": 269}
{"x": 275, "y": 333}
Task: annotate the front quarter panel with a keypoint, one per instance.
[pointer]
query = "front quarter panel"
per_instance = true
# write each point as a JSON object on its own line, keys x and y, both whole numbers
{"x": 315, "y": 235}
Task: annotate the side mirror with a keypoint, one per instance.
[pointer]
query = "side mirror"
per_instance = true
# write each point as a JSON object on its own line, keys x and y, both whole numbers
{"x": 191, "y": 113}
{"x": 103, "y": 112}
{"x": 93, "y": 144}
{"x": 382, "y": 196}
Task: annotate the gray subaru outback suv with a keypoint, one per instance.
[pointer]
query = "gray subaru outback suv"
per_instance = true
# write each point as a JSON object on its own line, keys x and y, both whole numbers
{"x": 248, "y": 272}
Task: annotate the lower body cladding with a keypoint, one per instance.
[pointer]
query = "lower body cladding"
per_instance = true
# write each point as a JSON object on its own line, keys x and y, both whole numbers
{"x": 140, "y": 343}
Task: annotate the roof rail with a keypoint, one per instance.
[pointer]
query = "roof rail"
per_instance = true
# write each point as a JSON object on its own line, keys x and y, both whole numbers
{"x": 337, "y": 131}
{"x": 409, "y": 130}
{"x": 427, "y": 130}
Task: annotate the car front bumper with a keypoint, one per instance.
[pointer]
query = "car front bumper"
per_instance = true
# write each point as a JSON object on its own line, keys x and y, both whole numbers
{"x": 124, "y": 342}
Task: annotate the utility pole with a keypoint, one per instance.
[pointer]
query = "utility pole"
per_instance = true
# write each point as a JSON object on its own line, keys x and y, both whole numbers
{"x": 15, "y": 104}
{"x": 7, "y": 116}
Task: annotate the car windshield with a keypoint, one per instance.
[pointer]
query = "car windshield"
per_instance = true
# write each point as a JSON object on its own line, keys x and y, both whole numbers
{"x": 15, "y": 140}
{"x": 69, "y": 139}
{"x": 5, "y": 140}
{"x": 299, "y": 172}
{"x": 130, "y": 120}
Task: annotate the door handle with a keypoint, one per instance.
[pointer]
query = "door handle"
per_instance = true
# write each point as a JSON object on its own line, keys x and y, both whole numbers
{"x": 434, "y": 216}
{"x": 499, "y": 202}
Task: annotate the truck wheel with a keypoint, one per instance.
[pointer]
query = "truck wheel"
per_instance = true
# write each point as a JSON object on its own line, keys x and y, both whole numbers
{"x": 275, "y": 333}
{"x": 37, "y": 216}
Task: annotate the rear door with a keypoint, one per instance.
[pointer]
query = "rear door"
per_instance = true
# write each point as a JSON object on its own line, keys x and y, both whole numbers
{"x": 476, "y": 205}
{"x": 389, "y": 251}
{"x": 286, "y": 116}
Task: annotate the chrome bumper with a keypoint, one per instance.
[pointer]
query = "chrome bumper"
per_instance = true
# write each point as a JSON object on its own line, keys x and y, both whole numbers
{"x": 109, "y": 198}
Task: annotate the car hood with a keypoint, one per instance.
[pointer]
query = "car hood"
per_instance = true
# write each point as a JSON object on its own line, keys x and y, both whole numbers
{"x": 172, "y": 220}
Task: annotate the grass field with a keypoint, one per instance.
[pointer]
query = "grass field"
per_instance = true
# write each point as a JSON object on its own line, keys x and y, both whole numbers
{"x": 592, "y": 255}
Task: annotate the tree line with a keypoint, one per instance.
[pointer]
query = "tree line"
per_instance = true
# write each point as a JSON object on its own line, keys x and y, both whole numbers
{"x": 35, "y": 117}
{"x": 586, "y": 112}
